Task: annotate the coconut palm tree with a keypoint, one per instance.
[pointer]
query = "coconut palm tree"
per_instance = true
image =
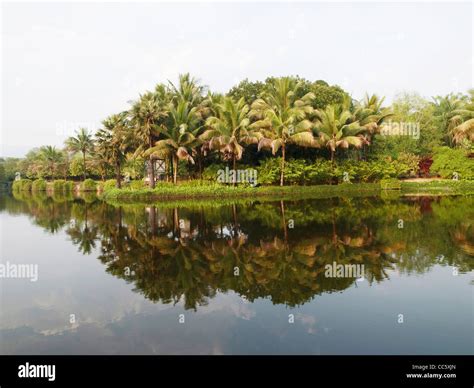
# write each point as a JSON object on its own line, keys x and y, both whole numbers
{"x": 180, "y": 136}
{"x": 462, "y": 121}
{"x": 228, "y": 129}
{"x": 445, "y": 109}
{"x": 82, "y": 143}
{"x": 282, "y": 118}
{"x": 147, "y": 115}
{"x": 371, "y": 114}
{"x": 188, "y": 90}
{"x": 336, "y": 128}
{"x": 51, "y": 157}
{"x": 113, "y": 142}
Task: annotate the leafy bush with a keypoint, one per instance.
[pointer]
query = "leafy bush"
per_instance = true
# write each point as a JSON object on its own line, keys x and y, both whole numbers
{"x": 407, "y": 164}
{"x": 320, "y": 172}
{"x": 58, "y": 186}
{"x": 210, "y": 172}
{"x": 108, "y": 184}
{"x": 297, "y": 172}
{"x": 269, "y": 171}
{"x": 62, "y": 186}
{"x": 38, "y": 185}
{"x": 22, "y": 185}
{"x": 68, "y": 186}
{"x": 451, "y": 162}
{"x": 424, "y": 166}
{"x": 136, "y": 185}
{"x": 89, "y": 185}
{"x": 16, "y": 185}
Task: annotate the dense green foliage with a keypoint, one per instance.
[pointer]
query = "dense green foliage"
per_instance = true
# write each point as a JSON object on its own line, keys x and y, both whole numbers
{"x": 452, "y": 163}
{"x": 61, "y": 186}
{"x": 88, "y": 185}
{"x": 22, "y": 185}
{"x": 292, "y": 130}
{"x": 38, "y": 185}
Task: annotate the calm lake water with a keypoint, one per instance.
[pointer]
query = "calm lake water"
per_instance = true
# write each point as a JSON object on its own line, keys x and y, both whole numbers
{"x": 246, "y": 278}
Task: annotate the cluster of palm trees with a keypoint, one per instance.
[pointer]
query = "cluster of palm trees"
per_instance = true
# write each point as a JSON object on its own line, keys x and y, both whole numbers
{"x": 185, "y": 122}
{"x": 182, "y": 122}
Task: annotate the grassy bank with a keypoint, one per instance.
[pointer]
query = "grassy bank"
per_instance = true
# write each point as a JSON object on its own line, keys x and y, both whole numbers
{"x": 221, "y": 192}
{"x": 195, "y": 190}
{"x": 438, "y": 187}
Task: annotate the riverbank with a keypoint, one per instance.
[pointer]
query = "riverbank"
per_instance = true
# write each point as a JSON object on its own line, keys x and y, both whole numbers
{"x": 196, "y": 190}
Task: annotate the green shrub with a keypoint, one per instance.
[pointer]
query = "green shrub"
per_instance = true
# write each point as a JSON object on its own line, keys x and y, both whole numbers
{"x": 136, "y": 185}
{"x": 88, "y": 185}
{"x": 22, "y": 185}
{"x": 210, "y": 172}
{"x": 38, "y": 185}
{"x": 269, "y": 171}
{"x": 16, "y": 186}
{"x": 68, "y": 186}
{"x": 109, "y": 184}
{"x": 407, "y": 164}
{"x": 59, "y": 186}
{"x": 450, "y": 163}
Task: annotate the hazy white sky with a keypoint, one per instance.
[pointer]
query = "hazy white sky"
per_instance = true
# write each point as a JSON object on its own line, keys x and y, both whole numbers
{"x": 71, "y": 65}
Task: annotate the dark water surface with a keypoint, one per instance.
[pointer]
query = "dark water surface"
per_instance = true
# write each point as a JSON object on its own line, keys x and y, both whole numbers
{"x": 118, "y": 280}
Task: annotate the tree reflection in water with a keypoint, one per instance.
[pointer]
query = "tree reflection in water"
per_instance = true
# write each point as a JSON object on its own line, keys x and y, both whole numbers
{"x": 190, "y": 252}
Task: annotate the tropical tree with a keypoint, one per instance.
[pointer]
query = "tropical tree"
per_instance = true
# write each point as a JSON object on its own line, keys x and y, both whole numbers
{"x": 83, "y": 143}
{"x": 51, "y": 157}
{"x": 445, "y": 108}
{"x": 371, "y": 114}
{"x": 113, "y": 142}
{"x": 188, "y": 90}
{"x": 282, "y": 118}
{"x": 228, "y": 130}
{"x": 462, "y": 121}
{"x": 337, "y": 128}
{"x": 180, "y": 136}
{"x": 147, "y": 115}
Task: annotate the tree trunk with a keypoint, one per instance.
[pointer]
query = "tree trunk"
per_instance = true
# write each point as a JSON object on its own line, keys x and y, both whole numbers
{"x": 118, "y": 176}
{"x": 234, "y": 167}
{"x": 332, "y": 166}
{"x": 200, "y": 164}
{"x": 84, "y": 165}
{"x": 175, "y": 168}
{"x": 282, "y": 164}
{"x": 151, "y": 167}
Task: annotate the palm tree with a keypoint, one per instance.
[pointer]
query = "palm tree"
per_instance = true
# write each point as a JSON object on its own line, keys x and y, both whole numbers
{"x": 147, "y": 115}
{"x": 371, "y": 114}
{"x": 51, "y": 156}
{"x": 180, "y": 136}
{"x": 445, "y": 109}
{"x": 337, "y": 128}
{"x": 83, "y": 143}
{"x": 188, "y": 90}
{"x": 462, "y": 121}
{"x": 228, "y": 130}
{"x": 113, "y": 141}
{"x": 282, "y": 118}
